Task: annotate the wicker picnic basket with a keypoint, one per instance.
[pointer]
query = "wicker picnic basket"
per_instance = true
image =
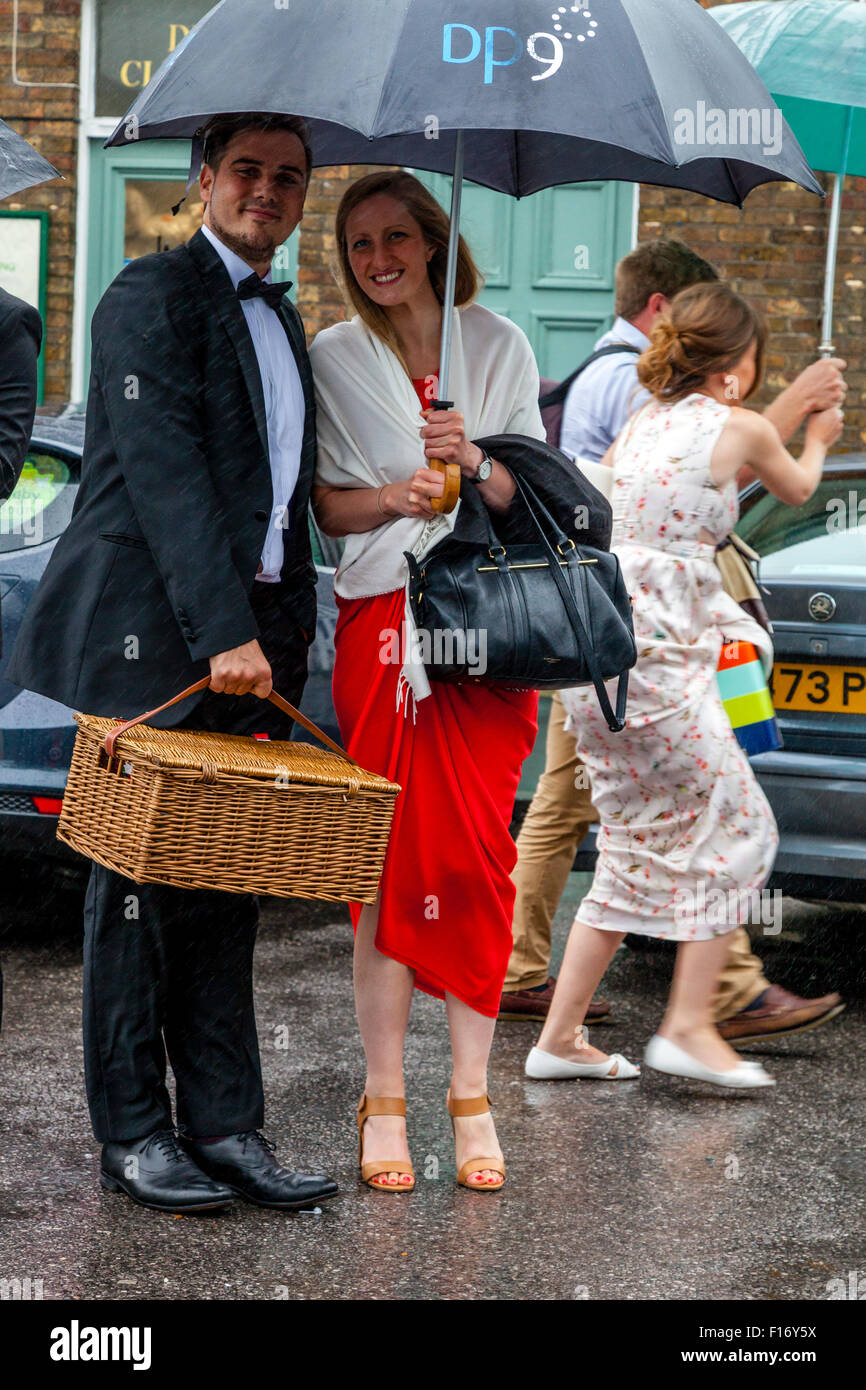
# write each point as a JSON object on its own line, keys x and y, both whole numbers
{"x": 225, "y": 811}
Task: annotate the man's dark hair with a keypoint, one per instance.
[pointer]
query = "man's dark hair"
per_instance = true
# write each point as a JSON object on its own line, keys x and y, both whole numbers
{"x": 663, "y": 267}
{"x": 220, "y": 130}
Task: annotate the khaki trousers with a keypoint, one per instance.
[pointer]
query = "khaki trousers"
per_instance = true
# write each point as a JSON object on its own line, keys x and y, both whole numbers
{"x": 559, "y": 816}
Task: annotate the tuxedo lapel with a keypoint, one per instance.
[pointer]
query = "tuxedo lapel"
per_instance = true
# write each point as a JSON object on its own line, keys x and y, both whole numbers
{"x": 294, "y": 329}
{"x": 219, "y": 288}
{"x": 299, "y": 348}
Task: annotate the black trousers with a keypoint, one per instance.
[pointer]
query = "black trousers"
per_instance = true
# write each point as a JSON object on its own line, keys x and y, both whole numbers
{"x": 170, "y": 970}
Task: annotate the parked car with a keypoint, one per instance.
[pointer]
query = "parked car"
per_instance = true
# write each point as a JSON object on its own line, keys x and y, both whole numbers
{"x": 813, "y": 567}
{"x": 37, "y": 734}
{"x": 813, "y": 572}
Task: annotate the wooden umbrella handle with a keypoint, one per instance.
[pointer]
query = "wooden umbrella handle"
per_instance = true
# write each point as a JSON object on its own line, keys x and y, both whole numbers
{"x": 448, "y": 501}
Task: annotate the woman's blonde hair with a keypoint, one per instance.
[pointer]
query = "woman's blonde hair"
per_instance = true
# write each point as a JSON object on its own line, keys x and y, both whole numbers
{"x": 435, "y": 226}
{"x": 707, "y": 330}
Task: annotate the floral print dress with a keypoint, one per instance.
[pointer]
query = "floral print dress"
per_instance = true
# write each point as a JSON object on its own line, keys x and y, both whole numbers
{"x": 687, "y": 836}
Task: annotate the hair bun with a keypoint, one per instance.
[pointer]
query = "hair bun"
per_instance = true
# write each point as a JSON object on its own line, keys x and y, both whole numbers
{"x": 706, "y": 330}
{"x": 663, "y": 332}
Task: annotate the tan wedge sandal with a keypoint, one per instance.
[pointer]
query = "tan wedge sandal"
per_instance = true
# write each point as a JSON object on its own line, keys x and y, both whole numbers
{"x": 381, "y": 1105}
{"x": 477, "y": 1105}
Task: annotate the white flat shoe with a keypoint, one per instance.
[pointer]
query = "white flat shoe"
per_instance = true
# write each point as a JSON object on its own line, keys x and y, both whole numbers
{"x": 663, "y": 1055}
{"x": 543, "y": 1066}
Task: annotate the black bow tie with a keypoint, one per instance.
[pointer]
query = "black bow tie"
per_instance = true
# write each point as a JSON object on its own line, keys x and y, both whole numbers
{"x": 272, "y": 294}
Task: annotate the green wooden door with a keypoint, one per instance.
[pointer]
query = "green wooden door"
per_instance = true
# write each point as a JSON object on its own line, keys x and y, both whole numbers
{"x": 549, "y": 260}
{"x": 132, "y": 191}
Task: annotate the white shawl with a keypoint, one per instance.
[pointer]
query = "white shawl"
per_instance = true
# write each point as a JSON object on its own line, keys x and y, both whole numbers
{"x": 369, "y": 421}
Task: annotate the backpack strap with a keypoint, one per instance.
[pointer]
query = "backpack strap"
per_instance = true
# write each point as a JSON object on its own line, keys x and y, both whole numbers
{"x": 558, "y": 394}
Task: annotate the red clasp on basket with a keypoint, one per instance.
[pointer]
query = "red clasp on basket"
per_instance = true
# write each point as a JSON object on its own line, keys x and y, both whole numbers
{"x": 106, "y": 763}
{"x": 109, "y": 762}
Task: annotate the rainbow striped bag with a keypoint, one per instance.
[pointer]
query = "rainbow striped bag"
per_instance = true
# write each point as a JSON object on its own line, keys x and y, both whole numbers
{"x": 746, "y": 698}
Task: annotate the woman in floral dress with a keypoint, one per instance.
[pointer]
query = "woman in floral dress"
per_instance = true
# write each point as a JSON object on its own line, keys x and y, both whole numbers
{"x": 687, "y": 837}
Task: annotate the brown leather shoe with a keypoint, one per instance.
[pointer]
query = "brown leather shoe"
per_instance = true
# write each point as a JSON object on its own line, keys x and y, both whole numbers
{"x": 778, "y": 1013}
{"x": 534, "y": 1005}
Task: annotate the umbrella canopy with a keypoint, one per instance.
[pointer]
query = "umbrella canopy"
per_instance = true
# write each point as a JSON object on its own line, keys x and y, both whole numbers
{"x": 545, "y": 93}
{"x": 812, "y": 56}
{"x": 20, "y": 165}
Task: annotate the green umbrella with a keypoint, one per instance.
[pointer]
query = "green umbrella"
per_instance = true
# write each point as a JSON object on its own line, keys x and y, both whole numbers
{"x": 811, "y": 54}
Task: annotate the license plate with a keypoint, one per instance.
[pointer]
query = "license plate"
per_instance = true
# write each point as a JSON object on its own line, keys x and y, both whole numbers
{"x": 834, "y": 689}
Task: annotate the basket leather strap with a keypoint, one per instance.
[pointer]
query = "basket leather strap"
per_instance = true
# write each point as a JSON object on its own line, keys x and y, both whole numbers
{"x": 311, "y": 728}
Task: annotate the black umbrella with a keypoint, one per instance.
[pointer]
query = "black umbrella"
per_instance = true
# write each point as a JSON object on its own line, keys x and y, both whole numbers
{"x": 20, "y": 165}
{"x": 517, "y": 95}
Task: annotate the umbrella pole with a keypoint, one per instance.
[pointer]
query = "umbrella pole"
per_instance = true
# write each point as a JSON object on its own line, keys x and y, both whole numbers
{"x": 451, "y": 268}
{"x": 826, "y": 348}
{"x": 448, "y": 501}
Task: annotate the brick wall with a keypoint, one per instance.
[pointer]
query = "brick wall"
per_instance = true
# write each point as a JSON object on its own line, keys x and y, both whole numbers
{"x": 773, "y": 251}
{"x": 319, "y": 299}
{"x": 48, "y": 49}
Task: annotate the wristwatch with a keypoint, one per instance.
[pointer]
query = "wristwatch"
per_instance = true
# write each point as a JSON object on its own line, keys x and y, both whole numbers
{"x": 485, "y": 468}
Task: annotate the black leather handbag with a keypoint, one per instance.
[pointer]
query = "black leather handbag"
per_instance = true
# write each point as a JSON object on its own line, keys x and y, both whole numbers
{"x": 542, "y": 616}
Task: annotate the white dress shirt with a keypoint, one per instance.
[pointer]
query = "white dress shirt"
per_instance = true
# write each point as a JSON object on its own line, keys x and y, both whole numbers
{"x": 603, "y": 397}
{"x": 284, "y": 405}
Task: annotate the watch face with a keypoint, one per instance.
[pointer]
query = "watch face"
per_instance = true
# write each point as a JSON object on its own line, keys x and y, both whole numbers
{"x": 485, "y": 468}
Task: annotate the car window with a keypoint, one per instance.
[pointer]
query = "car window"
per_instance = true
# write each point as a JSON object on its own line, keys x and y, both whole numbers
{"x": 41, "y": 504}
{"x": 828, "y": 533}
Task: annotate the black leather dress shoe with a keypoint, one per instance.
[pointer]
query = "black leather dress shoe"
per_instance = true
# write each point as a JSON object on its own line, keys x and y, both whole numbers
{"x": 246, "y": 1164}
{"x": 156, "y": 1172}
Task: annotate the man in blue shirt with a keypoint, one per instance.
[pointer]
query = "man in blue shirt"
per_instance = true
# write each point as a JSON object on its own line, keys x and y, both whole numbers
{"x": 604, "y": 395}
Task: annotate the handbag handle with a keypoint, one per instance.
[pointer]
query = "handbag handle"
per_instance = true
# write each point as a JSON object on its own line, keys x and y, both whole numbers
{"x": 615, "y": 718}
{"x": 311, "y": 728}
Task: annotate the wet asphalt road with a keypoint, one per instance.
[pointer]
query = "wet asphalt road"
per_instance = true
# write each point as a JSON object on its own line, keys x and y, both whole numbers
{"x": 654, "y": 1189}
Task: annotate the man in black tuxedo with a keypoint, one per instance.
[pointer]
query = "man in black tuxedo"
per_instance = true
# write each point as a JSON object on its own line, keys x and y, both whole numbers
{"x": 188, "y": 554}
{"x": 20, "y": 341}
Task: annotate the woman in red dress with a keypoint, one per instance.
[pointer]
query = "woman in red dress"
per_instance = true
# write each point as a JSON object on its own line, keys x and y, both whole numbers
{"x": 442, "y": 922}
